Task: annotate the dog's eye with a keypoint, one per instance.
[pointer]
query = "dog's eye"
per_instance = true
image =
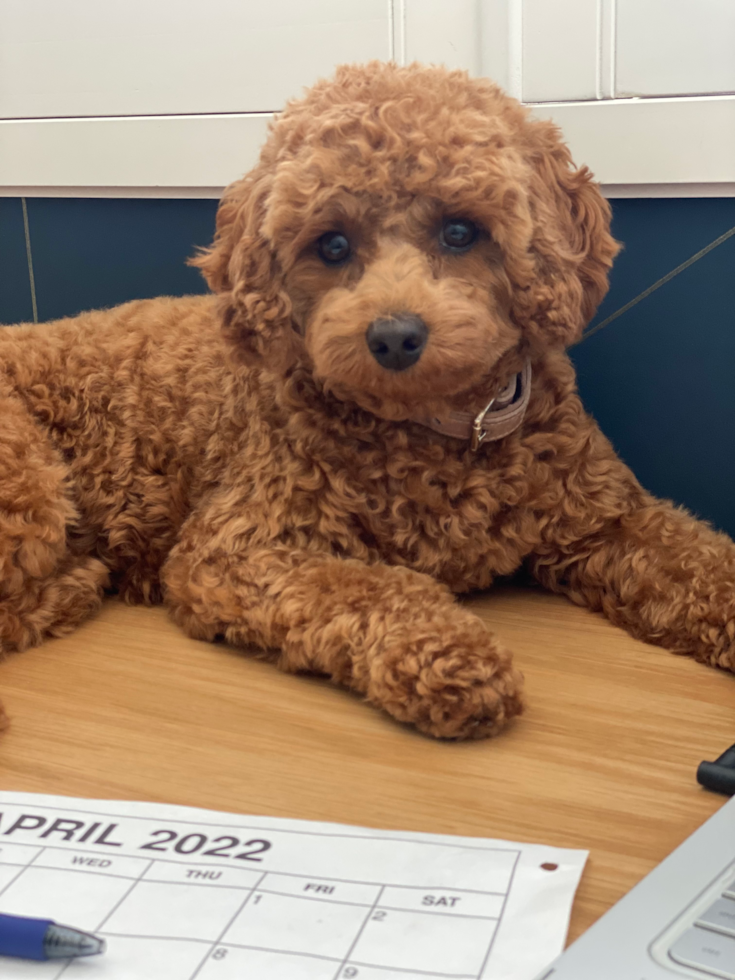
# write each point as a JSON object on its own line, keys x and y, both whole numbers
{"x": 334, "y": 248}
{"x": 458, "y": 235}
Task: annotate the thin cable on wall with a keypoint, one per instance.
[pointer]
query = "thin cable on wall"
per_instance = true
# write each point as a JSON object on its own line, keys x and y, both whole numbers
{"x": 659, "y": 282}
{"x": 29, "y": 257}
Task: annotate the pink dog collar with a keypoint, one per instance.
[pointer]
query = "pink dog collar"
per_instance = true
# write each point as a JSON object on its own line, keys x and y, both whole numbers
{"x": 501, "y": 416}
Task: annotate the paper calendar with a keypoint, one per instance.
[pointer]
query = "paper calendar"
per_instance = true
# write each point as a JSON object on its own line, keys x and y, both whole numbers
{"x": 185, "y": 894}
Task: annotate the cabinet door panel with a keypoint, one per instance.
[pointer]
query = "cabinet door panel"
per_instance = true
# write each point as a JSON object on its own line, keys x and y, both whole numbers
{"x": 675, "y": 47}
{"x": 146, "y": 57}
{"x": 559, "y": 50}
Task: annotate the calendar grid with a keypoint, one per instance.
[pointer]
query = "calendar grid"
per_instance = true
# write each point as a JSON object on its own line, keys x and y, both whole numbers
{"x": 117, "y": 905}
{"x": 271, "y": 949}
{"x": 148, "y": 874}
{"x": 424, "y": 973}
{"x": 284, "y": 874}
{"x": 224, "y": 931}
{"x": 346, "y": 960}
{"x": 323, "y": 904}
{"x": 20, "y": 871}
{"x": 500, "y": 917}
{"x": 100, "y": 927}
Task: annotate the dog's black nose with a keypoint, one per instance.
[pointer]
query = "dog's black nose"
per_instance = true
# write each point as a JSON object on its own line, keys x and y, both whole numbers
{"x": 397, "y": 342}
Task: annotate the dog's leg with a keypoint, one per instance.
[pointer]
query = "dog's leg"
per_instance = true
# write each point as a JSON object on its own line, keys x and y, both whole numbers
{"x": 394, "y": 635}
{"x": 44, "y": 590}
{"x": 653, "y": 570}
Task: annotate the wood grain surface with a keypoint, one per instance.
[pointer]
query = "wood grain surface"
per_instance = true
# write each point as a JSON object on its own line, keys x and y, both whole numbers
{"x": 604, "y": 757}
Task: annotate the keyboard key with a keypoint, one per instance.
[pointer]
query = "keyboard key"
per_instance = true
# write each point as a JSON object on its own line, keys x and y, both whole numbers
{"x": 707, "y": 951}
{"x": 730, "y": 892}
{"x": 720, "y": 916}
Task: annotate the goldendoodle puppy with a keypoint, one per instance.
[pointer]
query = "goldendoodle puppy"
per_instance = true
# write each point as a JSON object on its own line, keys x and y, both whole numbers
{"x": 371, "y": 412}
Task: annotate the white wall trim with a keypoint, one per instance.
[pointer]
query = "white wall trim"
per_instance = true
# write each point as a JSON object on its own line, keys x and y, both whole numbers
{"x": 681, "y": 147}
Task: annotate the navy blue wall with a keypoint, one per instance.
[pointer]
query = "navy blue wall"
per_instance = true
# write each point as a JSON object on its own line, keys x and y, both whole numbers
{"x": 95, "y": 252}
{"x": 660, "y": 379}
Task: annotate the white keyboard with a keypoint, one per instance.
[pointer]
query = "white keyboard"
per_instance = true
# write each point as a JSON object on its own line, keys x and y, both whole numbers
{"x": 706, "y": 933}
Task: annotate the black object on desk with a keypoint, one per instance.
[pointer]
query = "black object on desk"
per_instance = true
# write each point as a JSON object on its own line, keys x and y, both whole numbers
{"x": 720, "y": 774}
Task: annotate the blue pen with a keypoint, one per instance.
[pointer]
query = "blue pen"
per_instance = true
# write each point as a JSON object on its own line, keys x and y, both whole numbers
{"x": 43, "y": 939}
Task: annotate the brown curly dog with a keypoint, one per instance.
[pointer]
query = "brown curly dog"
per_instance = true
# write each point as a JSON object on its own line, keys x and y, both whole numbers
{"x": 410, "y": 248}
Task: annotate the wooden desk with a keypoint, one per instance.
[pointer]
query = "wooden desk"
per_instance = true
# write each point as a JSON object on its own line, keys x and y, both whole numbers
{"x": 604, "y": 757}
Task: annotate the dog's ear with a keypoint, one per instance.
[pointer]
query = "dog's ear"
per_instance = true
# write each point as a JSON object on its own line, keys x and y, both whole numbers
{"x": 572, "y": 244}
{"x": 241, "y": 265}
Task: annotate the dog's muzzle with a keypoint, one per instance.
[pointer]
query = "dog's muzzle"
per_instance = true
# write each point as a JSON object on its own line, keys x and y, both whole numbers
{"x": 397, "y": 342}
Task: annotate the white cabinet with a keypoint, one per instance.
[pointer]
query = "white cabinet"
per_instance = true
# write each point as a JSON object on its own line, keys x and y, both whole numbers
{"x": 560, "y": 50}
{"x": 583, "y": 50}
{"x": 674, "y": 47}
{"x": 173, "y": 97}
{"x": 442, "y": 32}
{"x": 163, "y": 57}
{"x": 161, "y": 97}
{"x": 644, "y": 90}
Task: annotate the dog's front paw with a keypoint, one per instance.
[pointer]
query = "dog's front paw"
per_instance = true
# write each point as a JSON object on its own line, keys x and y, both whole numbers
{"x": 448, "y": 676}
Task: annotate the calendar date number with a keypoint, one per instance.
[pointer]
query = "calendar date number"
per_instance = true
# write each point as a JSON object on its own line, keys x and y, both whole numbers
{"x": 222, "y": 847}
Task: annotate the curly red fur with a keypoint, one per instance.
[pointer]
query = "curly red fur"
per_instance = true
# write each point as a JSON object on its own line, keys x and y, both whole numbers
{"x": 246, "y": 458}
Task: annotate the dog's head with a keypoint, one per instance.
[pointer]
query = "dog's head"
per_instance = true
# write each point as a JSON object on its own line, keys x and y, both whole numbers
{"x": 407, "y": 233}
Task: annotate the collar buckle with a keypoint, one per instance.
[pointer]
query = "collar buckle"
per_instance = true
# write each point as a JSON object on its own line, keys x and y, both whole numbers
{"x": 478, "y": 433}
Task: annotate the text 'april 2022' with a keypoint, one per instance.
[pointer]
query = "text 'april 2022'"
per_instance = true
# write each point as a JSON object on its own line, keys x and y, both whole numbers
{"x": 35, "y": 826}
